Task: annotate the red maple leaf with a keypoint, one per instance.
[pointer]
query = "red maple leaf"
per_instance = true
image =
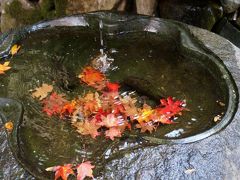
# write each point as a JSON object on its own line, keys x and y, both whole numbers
{"x": 61, "y": 171}
{"x": 53, "y": 104}
{"x": 113, "y": 132}
{"x": 113, "y": 87}
{"x": 84, "y": 170}
{"x": 170, "y": 108}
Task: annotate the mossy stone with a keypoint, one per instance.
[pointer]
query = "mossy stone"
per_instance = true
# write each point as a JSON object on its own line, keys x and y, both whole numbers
{"x": 199, "y": 13}
{"x": 47, "y": 9}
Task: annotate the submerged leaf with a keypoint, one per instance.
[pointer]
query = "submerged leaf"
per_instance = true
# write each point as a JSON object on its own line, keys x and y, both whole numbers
{"x": 53, "y": 104}
{"x": 42, "y": 92}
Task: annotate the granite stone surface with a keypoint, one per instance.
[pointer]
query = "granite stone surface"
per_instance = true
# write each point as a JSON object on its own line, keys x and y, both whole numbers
{"x": 216, "y": 157}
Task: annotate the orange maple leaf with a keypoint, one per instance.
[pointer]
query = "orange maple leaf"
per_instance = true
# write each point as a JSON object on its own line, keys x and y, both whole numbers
{"x": 61, "y": 171}
{"x": 149, "y": 126}
{"x": 92, "y": 77}
{"x": 69, "y": 108}
{"x": 85, "y": 170}
{"x": 4, "y": 67}
{"x": 9, "y": 126}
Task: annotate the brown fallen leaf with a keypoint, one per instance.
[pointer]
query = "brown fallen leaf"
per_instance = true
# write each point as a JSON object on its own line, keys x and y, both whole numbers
{"x": 9, "y": 126}
{"x": 42, "y": 92}
{"x": 15, "y": 49}
{"x": 4, "y": 67}
{"x": 217, "y": 118}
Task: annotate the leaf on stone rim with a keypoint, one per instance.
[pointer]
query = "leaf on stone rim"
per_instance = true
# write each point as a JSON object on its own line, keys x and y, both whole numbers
{"x": 42, "y": 92}
{"x": 61, "y": 171}
{"x": 14, "y": 50}
{"x": 84, "y": 170}
{"x": 4, "y": 67}
{"x": 113, "y": 132}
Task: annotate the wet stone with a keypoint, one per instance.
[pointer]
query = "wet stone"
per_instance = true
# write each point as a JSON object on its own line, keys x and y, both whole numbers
{"x": 202, "y": 14}
{"x": 225, "y": 29}
{"x": 230, "y": 5}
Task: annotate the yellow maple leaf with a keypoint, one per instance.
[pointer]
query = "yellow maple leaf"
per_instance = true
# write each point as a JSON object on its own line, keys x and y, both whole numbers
{"x": 145, "y": 114}
{"x": 4, "y": 67}
{"x": 9, "y": 126}
{"x": 15, "y": 49}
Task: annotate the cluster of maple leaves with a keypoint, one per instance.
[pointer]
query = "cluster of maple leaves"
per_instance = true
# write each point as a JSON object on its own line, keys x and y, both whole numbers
{"x": 82, "y": 170}
{"x": 5, "y": 66}
{"x": 106, "y": 111}
{"x": 103, "y": 111}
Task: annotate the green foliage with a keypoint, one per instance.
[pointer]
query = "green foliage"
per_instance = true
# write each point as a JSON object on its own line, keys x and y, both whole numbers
{"x": 48, "y": 9}
{"x": 23, "y": 16}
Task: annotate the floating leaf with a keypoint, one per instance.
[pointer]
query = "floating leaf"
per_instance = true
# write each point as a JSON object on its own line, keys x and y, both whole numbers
{"x": 69, "y": 108}
{"x": 92, "y": 77}
{"x": 87, "y": 128}
{"x": 61, "y": 171}
{"x": 4, "y": 67}
{"x": 42, "y": 92}
{"x": 110, "y": 121}
{"x": 146, "y": 127}
{"x": 113, "y": 132}
{"x": 113, "y": 86}
{"x": 14, "y": 50}
{"x": 9, "y": 126}
{"x": 170, "y": 108}
{"x": 85, "y": 170}
{"x": 145, "y": 114}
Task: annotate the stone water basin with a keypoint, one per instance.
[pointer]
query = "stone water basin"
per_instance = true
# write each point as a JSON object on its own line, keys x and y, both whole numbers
{"x": 158, "y": 58}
